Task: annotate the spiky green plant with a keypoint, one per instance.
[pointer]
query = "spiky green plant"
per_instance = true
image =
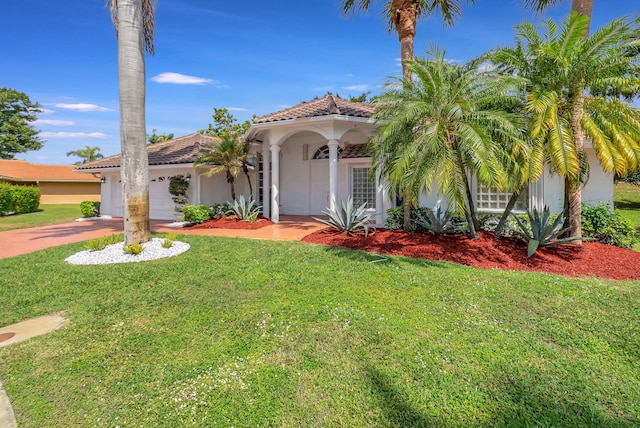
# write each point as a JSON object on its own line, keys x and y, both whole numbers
{"x": 438, "y": 221}
{"x": 133, "y": 249}
{"x": 349, "y": 219}
{"x": 245, "y": 209}
{"x": 543, "y": 232}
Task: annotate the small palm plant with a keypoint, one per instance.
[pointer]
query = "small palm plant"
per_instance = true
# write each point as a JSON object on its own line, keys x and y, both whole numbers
{"x": 543, "y": 231}
{"x": 349, "y": 219}
{"x": 438, "y": 222}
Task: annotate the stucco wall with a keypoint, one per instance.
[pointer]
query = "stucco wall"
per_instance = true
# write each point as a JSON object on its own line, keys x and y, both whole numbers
{"x": 68, "y": 193}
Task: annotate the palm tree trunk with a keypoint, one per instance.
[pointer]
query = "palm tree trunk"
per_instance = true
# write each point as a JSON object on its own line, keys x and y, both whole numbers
{"x": 246, "y": 172}
{"x": 503, "y": 219}
{"x": 583, "y": 7}
{"x": 574, "y": 188}
{"x": 231, "y": 180}
{"x": 470, "y": 212}
{"x": 474, "y": 225}
{"x": 404, "y": 17}
{"x": 134, "y": 170}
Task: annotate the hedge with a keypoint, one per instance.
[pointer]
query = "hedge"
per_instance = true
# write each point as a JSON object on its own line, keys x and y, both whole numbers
{"x": 19, "y": 199}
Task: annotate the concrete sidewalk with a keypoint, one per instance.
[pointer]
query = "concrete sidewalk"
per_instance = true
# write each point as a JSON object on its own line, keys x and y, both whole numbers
{"x": 23, "y": 241}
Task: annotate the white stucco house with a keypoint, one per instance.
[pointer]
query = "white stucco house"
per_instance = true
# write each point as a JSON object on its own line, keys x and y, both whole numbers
{"x": 308, "y": 158}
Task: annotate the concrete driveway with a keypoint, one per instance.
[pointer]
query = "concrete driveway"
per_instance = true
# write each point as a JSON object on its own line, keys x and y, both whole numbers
{"x": 22, "y": 241}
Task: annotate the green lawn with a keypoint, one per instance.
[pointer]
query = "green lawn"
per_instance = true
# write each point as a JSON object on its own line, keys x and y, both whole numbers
{"x": 627, "y": 202}
{"x": 256, "y": 333}
{"x": 46, "y": 214}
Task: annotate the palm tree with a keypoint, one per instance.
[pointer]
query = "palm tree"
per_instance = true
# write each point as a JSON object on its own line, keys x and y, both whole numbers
{"x": 583, "y": 7}
{"x": 449, "y": 120}
{"x": 88, "y": 154}
{"x": 403, "y": 17}
{"x": 573, "y": 87}
{"x": 134, "y": 21}
{"x": 229, "y": 154}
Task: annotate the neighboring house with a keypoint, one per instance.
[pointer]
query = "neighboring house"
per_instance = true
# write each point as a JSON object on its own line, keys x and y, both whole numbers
{"x": 58, "y": 183}
{"x": 316, "y": 158}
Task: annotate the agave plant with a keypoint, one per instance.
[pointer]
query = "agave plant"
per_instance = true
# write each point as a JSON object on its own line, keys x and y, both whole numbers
{"x": 437, "y": 222}
{"x": 349, "y": 219}
{"x": 543, "y": 231}
{"x": 245, "y": 209}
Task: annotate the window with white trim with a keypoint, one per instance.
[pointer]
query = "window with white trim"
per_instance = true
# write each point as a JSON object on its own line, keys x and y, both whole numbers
{"x": 362, "y": 189}
{"x": 491, "y": 199}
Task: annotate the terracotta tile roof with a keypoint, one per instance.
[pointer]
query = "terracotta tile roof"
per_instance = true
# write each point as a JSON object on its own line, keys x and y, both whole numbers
{"x": 179, "y": 150}
{"x": 353, "y": 151}
{"x": 20, "y": 171}
{"x": 329, "y": 105}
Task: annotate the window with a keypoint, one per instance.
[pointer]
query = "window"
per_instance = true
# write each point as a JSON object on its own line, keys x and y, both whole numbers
{"x": 323, "y": 152}
{"x": 362, "y": 190}
{"x": 490, "y": 199}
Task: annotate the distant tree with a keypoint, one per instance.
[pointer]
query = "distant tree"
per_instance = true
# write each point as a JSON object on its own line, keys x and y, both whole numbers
{"x": 88, "y": 154}
{"x": 16, "y": 132}
{"x": 225, "y": 124}
{"x": 362, "y": 98}
{"x": 155, "y": 138}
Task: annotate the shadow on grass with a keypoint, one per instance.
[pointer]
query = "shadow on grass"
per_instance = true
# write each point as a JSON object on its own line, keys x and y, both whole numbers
{"x": 396, "y": 409}
{"x": 627, "y": 205}
{"x": 522, "y": 403}
{"x": 363, "y": 256}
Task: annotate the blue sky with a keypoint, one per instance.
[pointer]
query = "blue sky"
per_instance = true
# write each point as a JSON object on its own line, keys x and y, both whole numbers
{"x": 250, "y": 56}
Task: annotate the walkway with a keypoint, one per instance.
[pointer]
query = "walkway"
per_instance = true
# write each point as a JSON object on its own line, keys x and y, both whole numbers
{"x": 22, "y": 241}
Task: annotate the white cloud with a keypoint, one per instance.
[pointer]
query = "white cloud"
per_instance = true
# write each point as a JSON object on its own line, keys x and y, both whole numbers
{"x": 356, "y": 88}
{"x": 236, "y": 109}
{"x": 349, "y": 75}
{"x": 46, "y": 111}
{"x": 53, "y": 122}
{"x": 82, "y": 107}
{"x": 180, "y": 79}
{"x": 73, "y": 135}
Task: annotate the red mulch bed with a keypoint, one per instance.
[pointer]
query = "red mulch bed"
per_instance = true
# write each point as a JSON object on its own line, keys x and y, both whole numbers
{"x": 488, "y": 252}
{"x": 232, "y": 223}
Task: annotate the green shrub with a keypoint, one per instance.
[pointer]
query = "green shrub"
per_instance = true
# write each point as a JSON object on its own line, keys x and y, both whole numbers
{"x": 196, "y": 213}
{"x": 26, "y": 199}
{"x": 490, "y": 222}
{"x": 395, "y": 219}
{"x": 133, "y": 249}
{"x": 90, "y": 209}
{"x": 605, "y": 225}
{"x": 220, "y": 210}
{"x": 631, "y": 177}
{"x": 6, "y": 199}
{"x": 245, "y": 209}
{"x": 349, "y": 219}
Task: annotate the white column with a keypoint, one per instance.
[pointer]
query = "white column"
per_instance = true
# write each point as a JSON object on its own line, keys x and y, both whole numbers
{"x": 333, "y": 173}
{"x": 275, "y": 183}
{"x": 266, "y": 175}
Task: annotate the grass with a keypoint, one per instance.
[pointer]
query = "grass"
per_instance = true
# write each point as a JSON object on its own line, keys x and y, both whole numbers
{"x": 627, "y": 203}
{"x": 45, "y": 215}
{"x": 241, "y": 332}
